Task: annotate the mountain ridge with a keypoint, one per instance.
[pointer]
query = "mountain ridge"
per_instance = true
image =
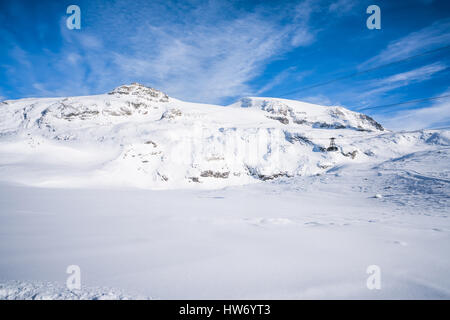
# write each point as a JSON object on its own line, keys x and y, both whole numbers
{"x": 150, "y": 140}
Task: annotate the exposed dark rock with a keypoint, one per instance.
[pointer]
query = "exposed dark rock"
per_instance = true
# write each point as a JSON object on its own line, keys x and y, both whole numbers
{"x": 283, "y": 120}
{"x": 163, "y": 177}
{"x": 210, "y": 173}
{"x": 171, "y": 114}
{"x": 254, "y": 173}
{"x": 293, "y": 137}
{"x": 300, "y": 121}
{"x": 138, "y": 89}
{"x": 318, "y": 148}
{"x": 273, "y": 176}
{"x": 83, "y": 115}
{"x": 275, "y": 107}
{"x": 371, "y": 121}
{"x": 137, "y": 105}
{"x": 337, "y": 113}
{"x": 324, "y": 125}
{"x": 151, "y": 142}
{"x": 350, "y": 154}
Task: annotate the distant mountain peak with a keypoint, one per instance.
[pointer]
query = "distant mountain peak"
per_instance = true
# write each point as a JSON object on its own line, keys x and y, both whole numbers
{"x": 316, "y": 116}
{"x": 138, "y": 89}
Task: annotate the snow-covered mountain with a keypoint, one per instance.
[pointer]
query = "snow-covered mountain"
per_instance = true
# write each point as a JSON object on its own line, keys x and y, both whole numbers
{"x": 139, "y": 136}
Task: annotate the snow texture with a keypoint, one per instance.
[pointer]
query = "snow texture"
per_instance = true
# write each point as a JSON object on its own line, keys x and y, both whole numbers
{"x": 38, "y": 290}
{"x": 177, "y": 200}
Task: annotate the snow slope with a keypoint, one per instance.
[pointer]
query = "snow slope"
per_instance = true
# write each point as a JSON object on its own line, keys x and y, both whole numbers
{"x": 39, "y": 290}
{"x": 303, "y": 237}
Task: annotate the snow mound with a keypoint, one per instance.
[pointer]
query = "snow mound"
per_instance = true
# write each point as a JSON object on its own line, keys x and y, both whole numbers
{"x": 37, "y": 290}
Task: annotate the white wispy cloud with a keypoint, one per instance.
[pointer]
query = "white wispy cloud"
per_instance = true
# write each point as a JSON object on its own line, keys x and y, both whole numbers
{"x": 437, "y": 115}
{"x": 214, "y": 61}
{"x": 381, "y": 86}
{"x": 342, "y": 6}
{"x": 302, "y": 33}
{"x": 320, "y": 99}
{"x": 419, "y": 74}
{"x": 431, "y": 37}
{"x": 278, "y": 79}
{"x": 205, "y": 53}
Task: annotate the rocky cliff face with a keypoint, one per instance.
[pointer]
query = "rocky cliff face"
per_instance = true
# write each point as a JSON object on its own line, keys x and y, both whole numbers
{"x": 315, "y": 116}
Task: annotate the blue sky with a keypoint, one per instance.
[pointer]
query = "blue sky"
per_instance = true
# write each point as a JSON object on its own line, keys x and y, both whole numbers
{"x": 220, "y": 51}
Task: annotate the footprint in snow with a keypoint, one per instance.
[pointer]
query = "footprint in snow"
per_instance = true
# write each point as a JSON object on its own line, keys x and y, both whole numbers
{"x": 402, "y": 243}
{"x": 269, "y": 221}
{"x": 313, "y": 223}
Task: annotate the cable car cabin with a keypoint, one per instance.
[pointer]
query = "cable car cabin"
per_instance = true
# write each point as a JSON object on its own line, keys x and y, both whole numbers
{"x": 332, "y": 146}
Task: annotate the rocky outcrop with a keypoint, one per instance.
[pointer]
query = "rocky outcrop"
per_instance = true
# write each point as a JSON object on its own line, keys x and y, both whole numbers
{"x": 315, "y": 116}
{"x": 171, "y": 114}
{"x": 214, "y": 174}
{"x": 137, "y": 89}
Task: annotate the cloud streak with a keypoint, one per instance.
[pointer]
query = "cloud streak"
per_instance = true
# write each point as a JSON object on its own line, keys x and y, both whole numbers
{"x": 434, "y": 36}
{"x": 381, "y": 86}
{"x": 214, "y": 61}
{"x": 203, "y": 52}
{"x": 342, "y": 6}
{"x": 435, "y": 116}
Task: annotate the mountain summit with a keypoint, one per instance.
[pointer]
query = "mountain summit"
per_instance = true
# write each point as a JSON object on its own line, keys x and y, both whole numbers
{"x": 137, "y": 89}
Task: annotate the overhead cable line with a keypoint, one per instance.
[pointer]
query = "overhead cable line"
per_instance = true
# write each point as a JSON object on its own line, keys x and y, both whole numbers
{"x": 405, "y": 102}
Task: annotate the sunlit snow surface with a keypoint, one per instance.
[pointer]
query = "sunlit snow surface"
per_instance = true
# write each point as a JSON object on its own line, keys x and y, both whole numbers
{"x": 39, "y": 290}
{"x": 78, "y": 192}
